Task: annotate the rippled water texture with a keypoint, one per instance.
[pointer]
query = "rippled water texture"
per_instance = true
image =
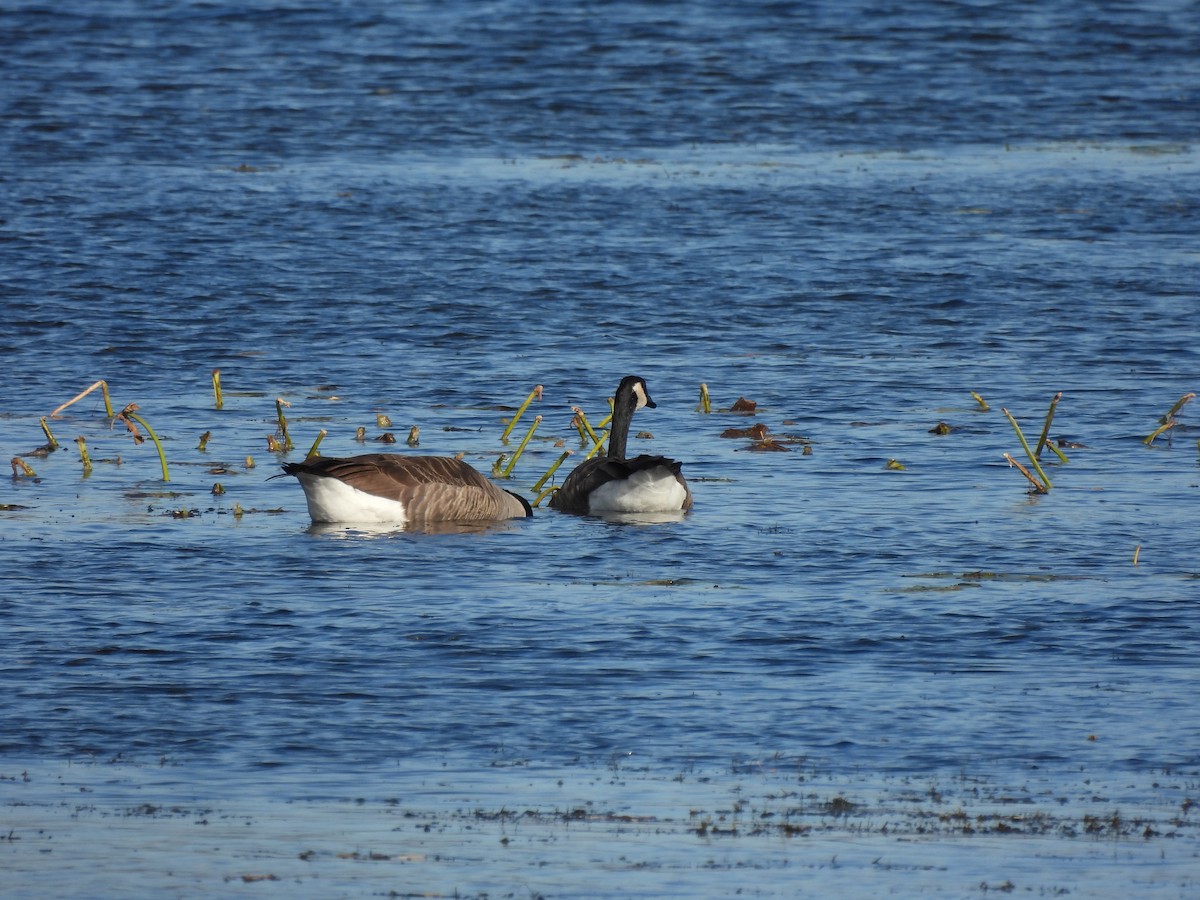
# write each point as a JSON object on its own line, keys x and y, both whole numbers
{"x": 852, "y": 216}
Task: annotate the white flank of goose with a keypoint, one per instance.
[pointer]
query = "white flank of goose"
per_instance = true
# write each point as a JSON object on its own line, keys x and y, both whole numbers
{"x": 385, "y": 487}
{"x": 614, "y": 484}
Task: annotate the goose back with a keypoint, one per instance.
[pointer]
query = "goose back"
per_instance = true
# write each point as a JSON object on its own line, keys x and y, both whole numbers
{"x": 383, "y": 487}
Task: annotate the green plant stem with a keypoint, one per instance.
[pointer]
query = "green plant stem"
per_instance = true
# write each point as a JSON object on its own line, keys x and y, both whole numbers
{"x": 512, "y": 463}
{"x": 162, "y": 456}
{"x": 983, "y": 404}
{"x": 1167, "y": 426}
{"x": 280, "y": 403}
{"x": 216, "y": 378}
{"x": 512, "y": 423}
{"x": 585, "y": 427}
{"x": 83, "y": 456}
{"x": 705, "y": 402}
{"x": 1177, "y": 407}
{"x": 1041, "y": 444}
{"x": 312, "y": 451}
{"x": 1025, "y": 445}
{"x": 537, "y": 486}
{"x": 52, "y": 443}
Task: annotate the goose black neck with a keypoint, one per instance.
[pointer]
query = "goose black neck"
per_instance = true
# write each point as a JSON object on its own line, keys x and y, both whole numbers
{"x": 618, "y": 432}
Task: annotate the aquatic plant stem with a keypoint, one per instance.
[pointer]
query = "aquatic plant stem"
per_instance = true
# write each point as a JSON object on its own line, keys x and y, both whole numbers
{"x": 216, "y": 382}
{"x": 1183, "y": 401}
{"x": 1041, "y": 444}
{"x": 51, "y": 442}
{"x": 983, "y": 404}
{"x": 1025, "y": 445}
{"x": 585, "y": 427}
{"x": 705, "y": 403}
{"x": 1037, "y": 485}
{"x": 512, "y": 463}
{"x": 312, "y": 451}
{"x": 537, "y": 485}
{"x": 23, "y": 467}
{"x": 280, "y": 403}
{"x": 83, "y": 456}
{"x": 512, "y": 423}
{"x": 128, "y": 412}
{"x": 1167, "y": 426}
{"x": 103, "y": 385}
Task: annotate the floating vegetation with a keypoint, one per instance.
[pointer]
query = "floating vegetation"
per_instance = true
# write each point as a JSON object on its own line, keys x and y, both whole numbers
{"x": 743, "y": 407}
{"x": 382, "y": 421}
{"x": 983, "y": 404}
{"x": 204, "y": 439}
{"x": 894, "y": 465}
{"x": 414, "y": 436}
{"x": 940, "y": 428}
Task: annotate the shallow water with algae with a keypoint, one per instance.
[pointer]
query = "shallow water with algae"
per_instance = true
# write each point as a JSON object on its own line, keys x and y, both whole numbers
{"x": 869, "y": 641}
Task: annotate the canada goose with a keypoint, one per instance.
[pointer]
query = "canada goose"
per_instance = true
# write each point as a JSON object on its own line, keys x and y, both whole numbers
{"x": 614, "y": 484}
{"x": 385, "y": 487}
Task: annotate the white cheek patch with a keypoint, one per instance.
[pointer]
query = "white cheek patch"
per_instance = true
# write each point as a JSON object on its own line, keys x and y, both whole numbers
{"x": 639, "y": 392}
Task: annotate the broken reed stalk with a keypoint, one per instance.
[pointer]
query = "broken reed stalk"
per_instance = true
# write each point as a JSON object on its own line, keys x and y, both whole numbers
{"x": 596, "y": 447}
{"x": 23, "y": 467}
{"x": 585, "y": 427}
{"x": 414, "y": 436}
{"x": 1041, "y": 444}
{"x": 280, "y": 403}
{"x": 103, "y": 385}
{"x": 128, "y": 413}
{"x": 508, "y": 470}
{"x": 51, "y": 443}
{"x": 536, "y": 392}
{"x": 983, "y": 404}
{"x": 83, "y": 456}
{"x": 1183, "y": 401}
{"x": 204, "y": 439}
{"x": 1167, "y": 426}
{"x": 220, "y": 401}
{"x": 543, "y": 495}
{"x": 312, "y": 451}
{"x": 1025, "y": 445}
{"x": 1037, "y": 485}
{"x": 537, "y": 485}
{"x": 705, "y": 403}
